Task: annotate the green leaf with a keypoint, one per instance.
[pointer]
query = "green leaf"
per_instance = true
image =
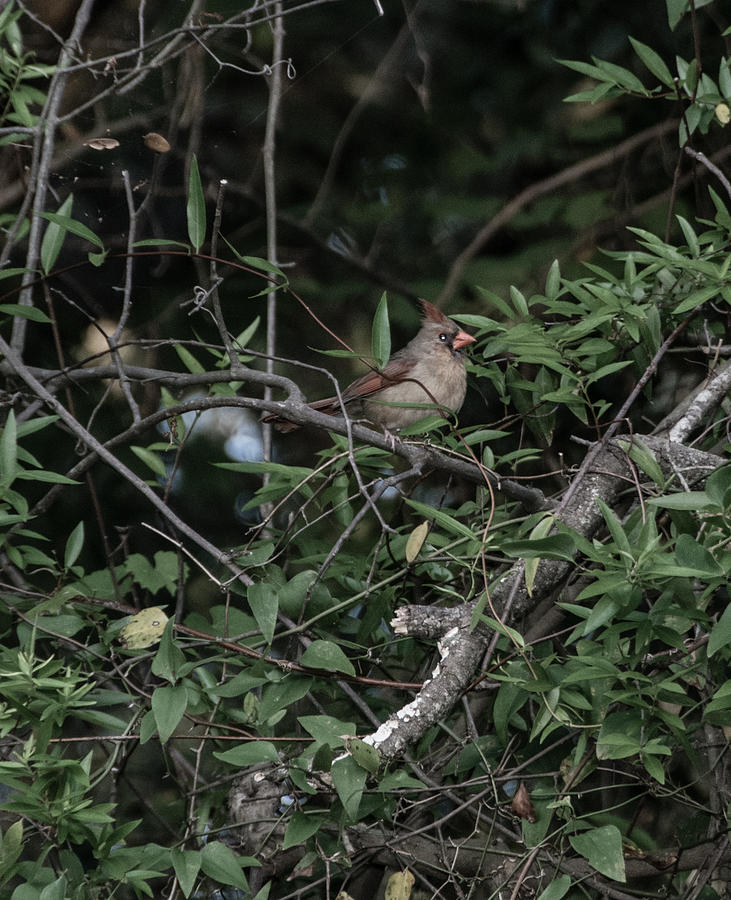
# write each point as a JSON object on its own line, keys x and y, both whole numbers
{"x": 151, "y": 459}
{"x": 327, "y": 729}
{"x": 45, "y": 477}
{"x": 364, "y": 754}
{"x": 221, "y": 864}
{"x": 97, "y": 259}
{"x": 74, "y": 543}
{"x": 609, "y": 369}
{"x": 381, "y": 334}
{"x": 603, "y": 89}
{"x": 153, "y": 576}
{"x": 349, "y": 779}
{"x": 687, "y": 500}
{"x": 328, "y": 656}
{"x": 697, "y": 298}
{"x": 602, "y": 847}
{"x": 9, "y": 450}
{"x": 238, "y": 686}
{"x": 557, "y": 889}
{"x": 691, "y": 239}
{"x": 615, "y": 528}
{"x": 33, "y": 425}
{"x": 724, "y": 78}
{"x": 717, "y": 711}
{"x": 676, "y": 9}
{"x": 160, "y": 242}
{"x": 641, "y": 455}
{"x": 584, "y": 67}
{"x": 720, "y": 633}
{"x": 423, "y": 426}
{"x": 169, "y": 658}
{"x": 519, "y": 302}
{"x": 447, "y": 522}
{"x": 77, "y": 228}
{"x": 692, "y": 555}
{"x": 553, "y": 281}
{"x": 196, "y": 207}
{"x": 718, "y": 486}
{"x": 281, "y": 695}
{"x": 54, "y": 237}
{"x": 620, "y": 735}
{"x": 56, "y": 890}
{"x": 602, "y": 612}
{"x": 621, "y": 76}
{"x": 654, "y": 62}
{"x": 299, "y": 828}
{"x": 246, "y": 335}
{"x": 654, "y": 767}
{"x": 515, "y": 636}
{"x": 188, "y": 360}
{"x": 249, "y": 754}
{"x": 337, "y": 353}
{"x": 264, "y": 265}
{"x": 25, "y": 312}
{"x": 10, "y": 849}
{"x": 264, "y": 605}
{"x": 556, "y": 546}
{"x": 540, "y": 531}
{"x": 484, "y": 434}
{"x": 168, "y": 706}
{"x": 399, "y": 780}
{"x": 510, "y": 698}
{"x": 186, "y": 864}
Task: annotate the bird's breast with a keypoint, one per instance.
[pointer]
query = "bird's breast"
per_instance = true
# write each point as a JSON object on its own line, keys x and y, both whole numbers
{"x": 440, "y": 383}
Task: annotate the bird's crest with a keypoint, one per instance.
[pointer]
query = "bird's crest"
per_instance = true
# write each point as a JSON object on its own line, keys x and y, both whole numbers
{"x": 431, "y": 313}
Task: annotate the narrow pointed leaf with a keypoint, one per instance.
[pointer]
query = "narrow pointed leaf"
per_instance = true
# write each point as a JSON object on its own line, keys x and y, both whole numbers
{"x": 54, "y": 237}
{"x": 381, "y": 334}
{"x": 196, "y": 208}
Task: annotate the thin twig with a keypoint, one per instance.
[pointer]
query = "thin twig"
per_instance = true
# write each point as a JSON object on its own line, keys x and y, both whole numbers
{"x": 705, "y": 161}
{"x": 111, "y": 460}
{"x": 538, "y": 189}
{"x": 270, "y": 195}
{"x": 113, "y": 339}
{"x": 40, "y": 171}
{"x": 622, "y": 414}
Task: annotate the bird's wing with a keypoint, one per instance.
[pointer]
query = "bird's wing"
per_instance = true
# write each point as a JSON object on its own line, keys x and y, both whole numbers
{"x": 396, "y": 370}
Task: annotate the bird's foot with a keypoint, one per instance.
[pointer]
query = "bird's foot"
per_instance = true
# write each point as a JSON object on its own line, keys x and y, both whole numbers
{"x": 391, "y": 438}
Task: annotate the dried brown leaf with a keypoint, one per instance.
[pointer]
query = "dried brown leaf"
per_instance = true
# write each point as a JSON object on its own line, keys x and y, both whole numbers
{"x": 102, "y": 143}
{"x": 156, "y": 142}
{"x": 522, "y": 805}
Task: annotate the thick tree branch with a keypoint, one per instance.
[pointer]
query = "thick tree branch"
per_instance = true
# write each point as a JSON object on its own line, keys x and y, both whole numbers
{"x": 419, "y": 455}
{"x": 462, "y": 648}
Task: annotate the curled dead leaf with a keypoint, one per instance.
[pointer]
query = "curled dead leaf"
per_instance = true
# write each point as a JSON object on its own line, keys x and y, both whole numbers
{"x": 144, "y": 629}
{"x": 400, "y": 885}
{"x": 522, "y": 804}
{"x": 156, "y": 142}
{"x": 416, "y": 541}
{"x": 102, "y": 143}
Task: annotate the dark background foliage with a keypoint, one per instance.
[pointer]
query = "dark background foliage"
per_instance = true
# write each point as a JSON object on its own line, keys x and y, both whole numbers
{"x": 431, "y": 118}
{"x": 426, "y": 152}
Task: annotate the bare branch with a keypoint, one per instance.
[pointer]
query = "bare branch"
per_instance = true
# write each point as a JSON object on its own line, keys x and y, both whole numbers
{"x": 546, "y": 186}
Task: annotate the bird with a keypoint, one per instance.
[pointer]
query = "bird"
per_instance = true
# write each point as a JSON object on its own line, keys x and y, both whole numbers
{"x": 429, "y": 370}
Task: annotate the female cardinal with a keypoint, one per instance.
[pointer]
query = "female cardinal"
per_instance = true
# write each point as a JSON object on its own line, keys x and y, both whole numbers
{"x": 429, "y": 370}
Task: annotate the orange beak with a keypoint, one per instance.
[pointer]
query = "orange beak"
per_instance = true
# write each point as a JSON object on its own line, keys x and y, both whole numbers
{"x": 462, "y": 339}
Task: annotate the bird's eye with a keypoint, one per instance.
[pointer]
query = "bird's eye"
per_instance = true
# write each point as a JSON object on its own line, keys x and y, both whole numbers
{"x": 442, "y": 337}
